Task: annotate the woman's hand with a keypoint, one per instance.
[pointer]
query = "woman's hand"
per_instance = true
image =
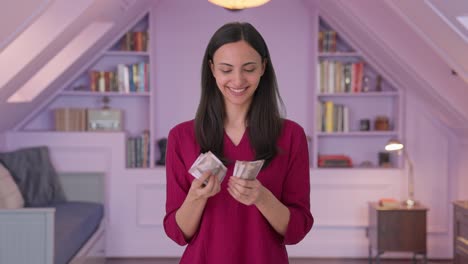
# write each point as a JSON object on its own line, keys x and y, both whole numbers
{"x": 247, "y": 192}
{"x": 200, "y": 190}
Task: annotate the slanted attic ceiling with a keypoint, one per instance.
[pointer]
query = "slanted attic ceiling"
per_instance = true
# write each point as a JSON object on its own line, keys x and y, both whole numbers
{"x": 25, "y": 12}
{"x": 407, "y": 55}
{"x": 119, "y": 13}
{"x": 409, "y": 42}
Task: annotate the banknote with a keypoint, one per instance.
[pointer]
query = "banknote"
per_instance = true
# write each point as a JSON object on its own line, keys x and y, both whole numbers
{"x": 208, "y": 162}
{"x": 247, "y": 169}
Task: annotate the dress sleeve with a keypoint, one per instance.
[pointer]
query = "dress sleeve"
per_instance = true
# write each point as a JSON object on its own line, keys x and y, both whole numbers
{"x": 296, "y": 190}
{"x": 177, "y": 187}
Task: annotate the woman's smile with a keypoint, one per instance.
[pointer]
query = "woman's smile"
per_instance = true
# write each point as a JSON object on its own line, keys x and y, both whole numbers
{"x": 237, "y": 91}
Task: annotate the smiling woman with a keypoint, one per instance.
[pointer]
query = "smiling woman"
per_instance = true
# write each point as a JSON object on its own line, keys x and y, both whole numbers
{"x": 237, "y": 68}
{"x": 238, "y": 119}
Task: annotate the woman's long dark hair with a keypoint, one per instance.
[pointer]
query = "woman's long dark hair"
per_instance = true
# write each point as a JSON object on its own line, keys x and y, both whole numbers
{"x": 263, "y": 118}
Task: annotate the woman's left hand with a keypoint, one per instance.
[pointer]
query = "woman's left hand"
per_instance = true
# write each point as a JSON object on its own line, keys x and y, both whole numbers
{"x": 247, "y": 192}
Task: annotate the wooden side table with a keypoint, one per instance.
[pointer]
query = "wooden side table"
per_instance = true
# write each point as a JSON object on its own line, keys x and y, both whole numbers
{"x": 400, "y": 229}
{"x": 460, "y": 232}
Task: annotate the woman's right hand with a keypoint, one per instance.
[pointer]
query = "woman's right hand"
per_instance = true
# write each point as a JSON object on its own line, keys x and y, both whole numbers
{"x": 200, "y": 190}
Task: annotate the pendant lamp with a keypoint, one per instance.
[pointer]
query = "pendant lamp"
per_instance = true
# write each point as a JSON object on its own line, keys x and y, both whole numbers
{"x": 238, "y": 4}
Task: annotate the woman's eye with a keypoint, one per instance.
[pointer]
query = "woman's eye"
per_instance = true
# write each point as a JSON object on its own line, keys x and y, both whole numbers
{"x": 250, "y": 70}
{"x": 225, "y": 71}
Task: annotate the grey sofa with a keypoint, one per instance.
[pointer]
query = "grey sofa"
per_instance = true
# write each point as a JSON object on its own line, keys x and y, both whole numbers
{"x": 50, "y": 229}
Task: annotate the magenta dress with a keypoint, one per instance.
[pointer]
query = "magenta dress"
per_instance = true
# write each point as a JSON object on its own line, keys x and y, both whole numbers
{"x": 231, "y": 232}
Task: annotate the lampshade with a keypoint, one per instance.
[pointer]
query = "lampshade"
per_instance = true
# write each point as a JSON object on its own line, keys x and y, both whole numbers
{"x": 394, "y": 145}
{"x": 238, "y": 4}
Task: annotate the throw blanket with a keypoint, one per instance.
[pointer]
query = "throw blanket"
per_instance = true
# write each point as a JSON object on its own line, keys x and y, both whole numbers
{"x": 35, "y": 175}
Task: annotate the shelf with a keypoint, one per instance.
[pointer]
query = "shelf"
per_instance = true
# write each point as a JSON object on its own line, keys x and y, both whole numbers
{"x": 88, "y": 93}
{"x": 38, "y": 132}
{"x": 143, "y": 171}
{"x": 360, "y": 94}
{"x": 126, "y": 53}
{"x": 348, "y": 91}
{"x": 354, "y": 168}
{"x": 338, "y": 54}
{"x": 358, "y": 134}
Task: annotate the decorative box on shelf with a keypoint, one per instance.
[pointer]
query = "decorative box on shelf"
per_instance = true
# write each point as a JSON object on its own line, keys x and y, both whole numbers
{"x": 334, "y": 161}
{"x": 105, "y": 120}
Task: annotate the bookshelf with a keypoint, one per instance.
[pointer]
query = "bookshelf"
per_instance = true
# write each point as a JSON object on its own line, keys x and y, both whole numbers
{"x": 356, "y": 108}
{"x": 118, "y": 80}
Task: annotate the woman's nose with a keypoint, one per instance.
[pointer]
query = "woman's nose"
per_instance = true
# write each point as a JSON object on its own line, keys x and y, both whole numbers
{"x": 238, "y": 78}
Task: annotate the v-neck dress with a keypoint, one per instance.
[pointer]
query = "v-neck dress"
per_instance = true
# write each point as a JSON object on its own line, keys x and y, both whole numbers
{"x": 231, "y": 232}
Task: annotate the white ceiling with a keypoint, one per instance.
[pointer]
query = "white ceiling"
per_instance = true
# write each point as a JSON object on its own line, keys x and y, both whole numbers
{"x": 449, "y": 12}
{"x": 436, "y": 22}
{"x": 25, "y": 12}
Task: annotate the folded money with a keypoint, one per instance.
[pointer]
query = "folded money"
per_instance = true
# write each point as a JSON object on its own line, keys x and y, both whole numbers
{"x": 208, "y": 162}
{"x": 247, "y": 170}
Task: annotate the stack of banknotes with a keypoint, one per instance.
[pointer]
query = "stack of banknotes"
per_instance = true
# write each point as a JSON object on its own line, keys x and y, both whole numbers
{"x": 247, "y": 170}
{"x": 209, "y": 162}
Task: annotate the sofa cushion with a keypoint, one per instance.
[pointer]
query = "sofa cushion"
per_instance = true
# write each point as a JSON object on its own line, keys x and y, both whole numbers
{"x": 35, "y": 175}
{"x": 10, "y": 196}
{"x": 75, "y": 223}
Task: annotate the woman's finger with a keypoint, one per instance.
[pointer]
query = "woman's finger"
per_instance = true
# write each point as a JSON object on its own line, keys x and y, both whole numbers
{"x": 202, "y": 181}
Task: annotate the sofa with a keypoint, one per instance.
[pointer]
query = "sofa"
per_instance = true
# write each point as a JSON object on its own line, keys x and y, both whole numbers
{"x": 38, "y": 223}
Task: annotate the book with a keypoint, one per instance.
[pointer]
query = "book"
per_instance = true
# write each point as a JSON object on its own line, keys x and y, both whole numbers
{"x": 389, "y": 203}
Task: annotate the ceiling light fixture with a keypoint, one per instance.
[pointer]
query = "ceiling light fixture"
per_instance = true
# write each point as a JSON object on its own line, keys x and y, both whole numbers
{"x": 238, "y": 4}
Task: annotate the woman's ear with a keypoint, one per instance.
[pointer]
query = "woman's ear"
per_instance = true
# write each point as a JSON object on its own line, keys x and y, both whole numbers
{"x": 211, "y": 67}
{"x": 264, "y": 64}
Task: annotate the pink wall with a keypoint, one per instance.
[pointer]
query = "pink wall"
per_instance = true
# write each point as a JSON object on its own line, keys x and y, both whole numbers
{"x": 183, "y": 29}
{"x": 459, "y": 177}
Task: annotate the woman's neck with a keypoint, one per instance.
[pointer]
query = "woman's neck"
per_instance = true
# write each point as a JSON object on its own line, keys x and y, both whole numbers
{"x": 236, "y": 117}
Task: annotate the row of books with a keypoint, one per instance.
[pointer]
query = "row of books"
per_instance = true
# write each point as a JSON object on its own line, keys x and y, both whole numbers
{"x": 70, "y": 119}
{"x": 134, "y": 41}
{"x": 138, "y": 150}
{"x": 340, "y": 77}
{"x": 332, "y": 117}
{"x": 127, "y": 79}
{"x": 327, "y": 41}
{"x": 87, "y": 119}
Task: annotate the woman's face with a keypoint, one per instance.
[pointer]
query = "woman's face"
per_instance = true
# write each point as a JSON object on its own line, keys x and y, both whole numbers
{"x": 237, "y": 68}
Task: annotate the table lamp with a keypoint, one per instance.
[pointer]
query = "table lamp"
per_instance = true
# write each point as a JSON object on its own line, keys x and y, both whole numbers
{"x": 396, "y": 145}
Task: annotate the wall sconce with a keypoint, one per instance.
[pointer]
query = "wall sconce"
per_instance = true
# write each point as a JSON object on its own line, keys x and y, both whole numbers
{"x": 394, "y": 145}
{"x": 238, "y": 4}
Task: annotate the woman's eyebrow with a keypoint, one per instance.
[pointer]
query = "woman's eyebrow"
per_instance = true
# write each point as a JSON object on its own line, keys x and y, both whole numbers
{"x": 245, "y": 64}
{"x": 249, "y": 63}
